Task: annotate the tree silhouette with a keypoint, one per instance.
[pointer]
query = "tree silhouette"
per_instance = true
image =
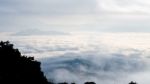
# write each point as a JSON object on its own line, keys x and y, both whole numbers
{"x": 18, "y": 69}
{"x": 73, "y": 83}
{"x": 89, "y": 83}
{"x": 63, "y": 83}
{"x": 132, "y": 82}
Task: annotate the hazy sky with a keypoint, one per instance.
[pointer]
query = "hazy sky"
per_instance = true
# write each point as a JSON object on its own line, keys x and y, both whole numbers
{"x": 75, "y": 15}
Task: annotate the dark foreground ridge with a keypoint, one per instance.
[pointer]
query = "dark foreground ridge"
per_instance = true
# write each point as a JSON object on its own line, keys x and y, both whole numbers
{"x": 18, "y": 69}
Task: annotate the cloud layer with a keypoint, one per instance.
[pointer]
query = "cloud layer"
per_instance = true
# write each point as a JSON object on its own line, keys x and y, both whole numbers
{"x": 99, "y": 68}
{"x": 100, "y": 57}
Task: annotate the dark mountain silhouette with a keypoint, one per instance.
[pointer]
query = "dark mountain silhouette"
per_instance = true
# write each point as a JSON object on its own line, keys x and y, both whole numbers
{"x": 18, "y": 69}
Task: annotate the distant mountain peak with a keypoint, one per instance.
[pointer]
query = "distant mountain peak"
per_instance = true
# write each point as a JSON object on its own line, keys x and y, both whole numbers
{"x": 30, "y": 32}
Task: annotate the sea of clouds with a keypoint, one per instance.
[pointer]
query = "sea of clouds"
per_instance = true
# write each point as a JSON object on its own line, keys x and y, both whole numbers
{"x": 100, "y": 57}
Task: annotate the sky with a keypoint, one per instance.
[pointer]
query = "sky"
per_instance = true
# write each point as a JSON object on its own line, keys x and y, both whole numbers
{"x": 75, "y": 15}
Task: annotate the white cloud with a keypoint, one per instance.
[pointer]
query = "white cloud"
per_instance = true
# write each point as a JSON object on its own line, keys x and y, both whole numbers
{"x": 96, "y": 67}
{"x": 99, "y": 57}
{"x": 125, "y": 43}
{"x": 125, "y": 6}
